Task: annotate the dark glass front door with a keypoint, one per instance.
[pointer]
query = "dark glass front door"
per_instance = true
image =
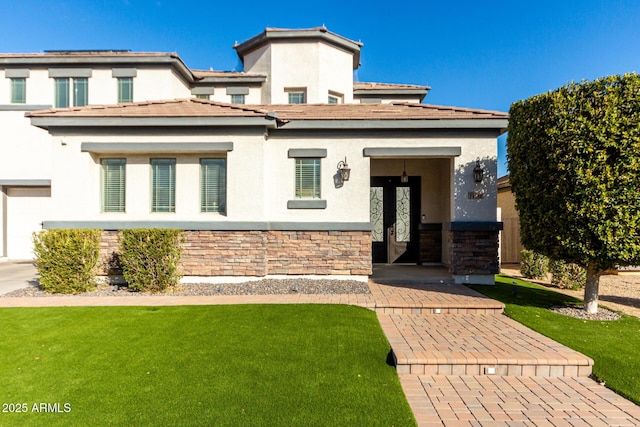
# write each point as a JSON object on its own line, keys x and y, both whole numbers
{"x": 395, "y": 215}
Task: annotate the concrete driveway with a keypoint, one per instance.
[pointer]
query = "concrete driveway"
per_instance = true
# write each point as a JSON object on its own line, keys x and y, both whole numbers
{"x": 16, "y": 275}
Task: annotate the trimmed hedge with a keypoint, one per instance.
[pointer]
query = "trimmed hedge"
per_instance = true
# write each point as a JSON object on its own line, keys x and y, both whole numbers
{"x": 150, "y": 257}
{"x": 66, "y": 259}
{"x": 533, "y": 265}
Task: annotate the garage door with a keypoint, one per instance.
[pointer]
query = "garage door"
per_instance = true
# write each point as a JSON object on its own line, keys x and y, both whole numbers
{"x": 26, "y": 209}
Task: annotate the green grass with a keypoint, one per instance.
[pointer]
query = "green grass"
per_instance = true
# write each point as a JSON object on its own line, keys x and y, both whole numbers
{"x": 252, "y": 365}
{"x": 613, "y": 345}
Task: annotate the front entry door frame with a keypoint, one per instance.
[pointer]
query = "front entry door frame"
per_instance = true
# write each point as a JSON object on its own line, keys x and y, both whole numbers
{"x": 386, "y": 246}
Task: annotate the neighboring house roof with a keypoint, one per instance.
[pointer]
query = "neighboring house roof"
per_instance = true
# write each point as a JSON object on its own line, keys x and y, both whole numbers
{"x": 288, "y": 34}
{"x": 503, "y": 183}
{"x": 335, "y": 116}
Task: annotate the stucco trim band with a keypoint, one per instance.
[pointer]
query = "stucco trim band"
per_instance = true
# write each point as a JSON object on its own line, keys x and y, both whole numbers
{"x": 214, "y": 225}
{"x": 412, "y": 152}
{"x": 306, "y": 204}
{"x": 154, "y": 147}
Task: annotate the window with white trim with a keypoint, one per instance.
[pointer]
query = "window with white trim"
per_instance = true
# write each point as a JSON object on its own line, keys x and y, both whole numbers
{"x": 163, "y": 185}
{"x": 296, "y": 95}
{"x": 335, "y": 98}
{"x": 213, "y": 185}
{"x": 18, "y": 90}
{"x": 307, "y": 178}
{"x": 113, "y": 185}
{"x": 125, "y": 89}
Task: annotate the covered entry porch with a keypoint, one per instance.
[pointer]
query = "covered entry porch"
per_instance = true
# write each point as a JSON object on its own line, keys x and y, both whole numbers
{"x": 410, "y": 205}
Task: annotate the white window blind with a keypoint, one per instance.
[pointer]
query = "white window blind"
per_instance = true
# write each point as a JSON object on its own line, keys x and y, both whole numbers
{"x": 163, "y": 185}
{"x": 308, "y": 178}
{"x": 113, "y": 185}
{"x": 213, "y": 185}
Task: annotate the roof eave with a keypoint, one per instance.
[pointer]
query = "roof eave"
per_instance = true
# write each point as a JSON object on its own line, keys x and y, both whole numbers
{"x": 170, "y": 59}
{"x": 48, "y": 122}
{"x": 232, "y": 79}
{"x": 291, "y": 35}
{"x": 498, "y": 124}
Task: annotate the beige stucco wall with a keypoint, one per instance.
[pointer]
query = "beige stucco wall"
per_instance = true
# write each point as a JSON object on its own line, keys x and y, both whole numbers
{"x": 260, "y": 179}
{"x": 312, "y": 65}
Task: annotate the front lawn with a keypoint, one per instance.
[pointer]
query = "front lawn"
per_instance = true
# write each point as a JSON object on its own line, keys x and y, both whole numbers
{"x": 198, "y": 365}
{"x": 613, "y": 345}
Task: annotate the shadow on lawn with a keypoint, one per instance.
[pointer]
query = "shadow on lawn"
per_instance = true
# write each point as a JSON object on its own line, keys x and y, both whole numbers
{"x": 514, "y": 291}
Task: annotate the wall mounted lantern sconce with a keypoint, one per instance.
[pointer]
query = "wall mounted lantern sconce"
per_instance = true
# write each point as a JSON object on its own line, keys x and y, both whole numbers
{"x": 478, "y": 172}
{"x": 343, "y": 169}
{"x": 404, "y": 178}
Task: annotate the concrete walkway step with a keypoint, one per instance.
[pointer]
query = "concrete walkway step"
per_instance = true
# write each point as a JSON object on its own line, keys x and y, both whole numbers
{"x": 465, "y": 344}
{"x": 431, "y": 299}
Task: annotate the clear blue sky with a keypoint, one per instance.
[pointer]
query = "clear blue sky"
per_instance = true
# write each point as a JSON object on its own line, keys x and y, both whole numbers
{"x": 472, "y": 53}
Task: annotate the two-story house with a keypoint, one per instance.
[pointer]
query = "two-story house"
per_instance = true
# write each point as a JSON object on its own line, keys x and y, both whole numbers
{"x": 289, "y": 167}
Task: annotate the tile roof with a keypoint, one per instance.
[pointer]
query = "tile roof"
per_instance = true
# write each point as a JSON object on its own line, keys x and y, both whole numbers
{"x": 194, "y": 107}
{"x": 189, "y": 107}
{"x": 392, "y": 111}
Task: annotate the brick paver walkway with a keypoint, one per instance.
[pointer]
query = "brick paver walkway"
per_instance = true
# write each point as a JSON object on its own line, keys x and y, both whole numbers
{"x": 433, "y": 331}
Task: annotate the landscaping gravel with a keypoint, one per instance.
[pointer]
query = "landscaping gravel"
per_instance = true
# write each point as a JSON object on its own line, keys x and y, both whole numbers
{"x": 258, "y": 287}
{"x": 580, "y": 313}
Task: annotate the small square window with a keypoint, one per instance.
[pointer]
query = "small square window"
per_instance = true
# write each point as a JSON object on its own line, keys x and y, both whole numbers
{"x": 18, "y": 90}
{"x": 297, "y": 96}
{"x": 237, "y": 99}
{"x": 335, "y": 98}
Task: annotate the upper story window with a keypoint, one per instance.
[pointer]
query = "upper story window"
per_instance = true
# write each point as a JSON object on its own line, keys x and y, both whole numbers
{"x": 63, "y": 93}
{"x": 163, "y": 185}
{"x": 213, "y": 185}
{"x": 18, "y": 90}
{"x": 113, "y": 185}
{"x": 238, "y": 99}
{"x": 125, "y": 89}
{"x": 335, "y": 98}
{"x": 203, "y": 96}
{"x": 297, "y": 95}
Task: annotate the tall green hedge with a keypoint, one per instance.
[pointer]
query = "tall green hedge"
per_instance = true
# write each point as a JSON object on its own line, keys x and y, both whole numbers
{"x": 574, "y": 163}
{"x": 150, "y": 258}
{"x": 66, "y": 259}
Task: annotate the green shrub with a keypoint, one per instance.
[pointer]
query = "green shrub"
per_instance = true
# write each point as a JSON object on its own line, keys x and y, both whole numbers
{"x": 66, "y": 259}
{"x": 533, "y": 265}
{"x": 567, "y": 275}
{"x": 150, "y": 257}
